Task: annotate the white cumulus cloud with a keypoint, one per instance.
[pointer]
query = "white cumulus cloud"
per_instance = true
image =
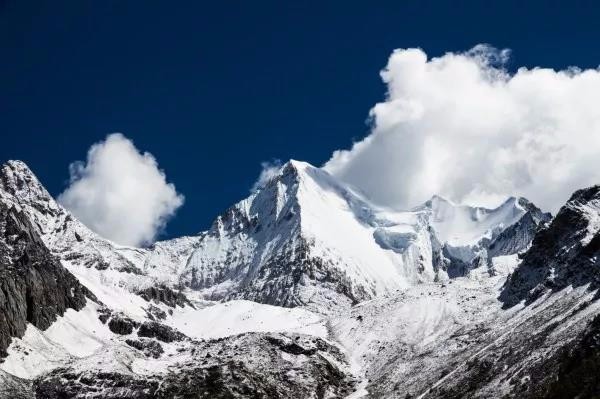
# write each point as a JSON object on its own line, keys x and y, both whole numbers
{"x": 120, "y": 193}
{"x": 461, "y": 126}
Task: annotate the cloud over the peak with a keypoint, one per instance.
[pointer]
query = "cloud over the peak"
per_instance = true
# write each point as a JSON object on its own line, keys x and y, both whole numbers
{"x": 460, "y": 125}
{"x": 120, "y": 193}
{"x": 269, "y": 170}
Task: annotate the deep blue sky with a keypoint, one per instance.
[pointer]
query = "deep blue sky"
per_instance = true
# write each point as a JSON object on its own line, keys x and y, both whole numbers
{"x": 214, "y": 88}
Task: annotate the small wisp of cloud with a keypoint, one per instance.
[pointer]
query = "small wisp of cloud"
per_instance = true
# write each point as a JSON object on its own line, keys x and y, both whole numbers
{"x": 120, "y": 193}
{"x": 269, "y": 170}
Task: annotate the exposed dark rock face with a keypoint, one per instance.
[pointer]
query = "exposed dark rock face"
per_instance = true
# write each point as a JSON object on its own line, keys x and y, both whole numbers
{"x": 553, "y": 351}
{"x": 579, "y": 367}
{"x": 70, "y": 240}
{"x": 245, "y": 366}
{"x": 518, "y": 237}
{"x": 148, "y": 347}
{"x": 34, "y": 287}
{"x": 164, "y": 333}
{"x": 104, "y": 314}
{"x": 12, "y": 387}
{"x": 66, "y": 383}
{"x": 164, "y": 294}
{"x": 281, "y": 279}
{"x": 454, "y": 267}
{"x": 293, "y": 347}
{"x": 18, "y": 181}
{"x": 156, "y": 313}
{"x": 563, "y": 254}
{"x": 122, "y": 325}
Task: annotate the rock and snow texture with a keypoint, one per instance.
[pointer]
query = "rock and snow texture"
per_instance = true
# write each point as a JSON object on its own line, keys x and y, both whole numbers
{"x": 305, "y": 239}
{"x": 242, "y": 366}
{"x": 564, "y": 254}
{"x": 34, "y": 287}
{"x": 472, "y": 236}
{"x": 128, "y": 335}
{"x": 304, "y": 289}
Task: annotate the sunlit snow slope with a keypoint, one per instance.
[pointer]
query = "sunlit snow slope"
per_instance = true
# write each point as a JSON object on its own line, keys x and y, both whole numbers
{"x": 310, "y": 277}
{"x": 304, "y": 238}
{"x": 307, "y": 239}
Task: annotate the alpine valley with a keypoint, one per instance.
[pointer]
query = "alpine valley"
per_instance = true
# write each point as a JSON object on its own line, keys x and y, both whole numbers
{"x": 305, "y": 289}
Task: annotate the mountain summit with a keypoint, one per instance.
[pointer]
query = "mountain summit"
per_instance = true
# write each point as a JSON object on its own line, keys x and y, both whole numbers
{"x": 305, "y": 238}
{"x": 305, "y": 286}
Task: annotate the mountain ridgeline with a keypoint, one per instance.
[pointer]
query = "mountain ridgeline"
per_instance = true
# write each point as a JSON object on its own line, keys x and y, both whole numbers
{"x": 304, "y": 289}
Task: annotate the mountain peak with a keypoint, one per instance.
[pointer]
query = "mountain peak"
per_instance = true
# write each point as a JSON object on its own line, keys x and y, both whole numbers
{"x": 289, "y": 171}
{"x": 301, "y": 168}
{"x": 565, "y": 253}
{"x": 15, "y": 163}
{"x": 584, "y": 196}
{"x": 461, "y": 225}
{"x": 19, "y": 181}
{"x": 299, "y": 165}
{"x": 516, "y": 201}
{"x": 15, "y": 168}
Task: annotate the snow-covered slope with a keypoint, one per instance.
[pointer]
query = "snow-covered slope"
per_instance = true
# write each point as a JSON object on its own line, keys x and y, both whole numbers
{"x": 63, "y": 234}
{"x": 472, "y": 236}
{"x": 302, "y": 239}
{"x": 462, "y": 225}
{"x": 70, "y": 240}
{"x": 129, "y": 334}
{"x": 305, "y": 286}
{"x": 307, "y": 239}
{"x": 530, "y": 330}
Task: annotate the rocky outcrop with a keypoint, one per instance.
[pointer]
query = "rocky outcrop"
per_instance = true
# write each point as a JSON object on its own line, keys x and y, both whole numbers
{"x": 166, "y": 295}
{"x": 578, "y": 367}
{"x": 34, "y": 287}
{"x": 566, "y": 253}
{"x": 148, "y": 347}
{"x": 517, "y": 237}
{"x": 14, "y": 387}
{"x": 122, "y": 325}
{"x": 246, "y": 366}
{"x": 155, "y": 313}
{"x": 164, "y": 333}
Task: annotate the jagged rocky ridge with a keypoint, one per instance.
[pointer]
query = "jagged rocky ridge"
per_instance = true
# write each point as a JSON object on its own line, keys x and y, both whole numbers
{"x": 304, "y": 239}
{"x": 395, "y": 303}
{"x": 566, "y": 253}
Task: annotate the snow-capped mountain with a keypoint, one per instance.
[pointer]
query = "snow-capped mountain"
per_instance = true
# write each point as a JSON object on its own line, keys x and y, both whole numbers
{"x": 81, "y": 318}
{"x": 304, "y": 289}
{"x": 307, "y": 239}
{"x": 304, "y": 239}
